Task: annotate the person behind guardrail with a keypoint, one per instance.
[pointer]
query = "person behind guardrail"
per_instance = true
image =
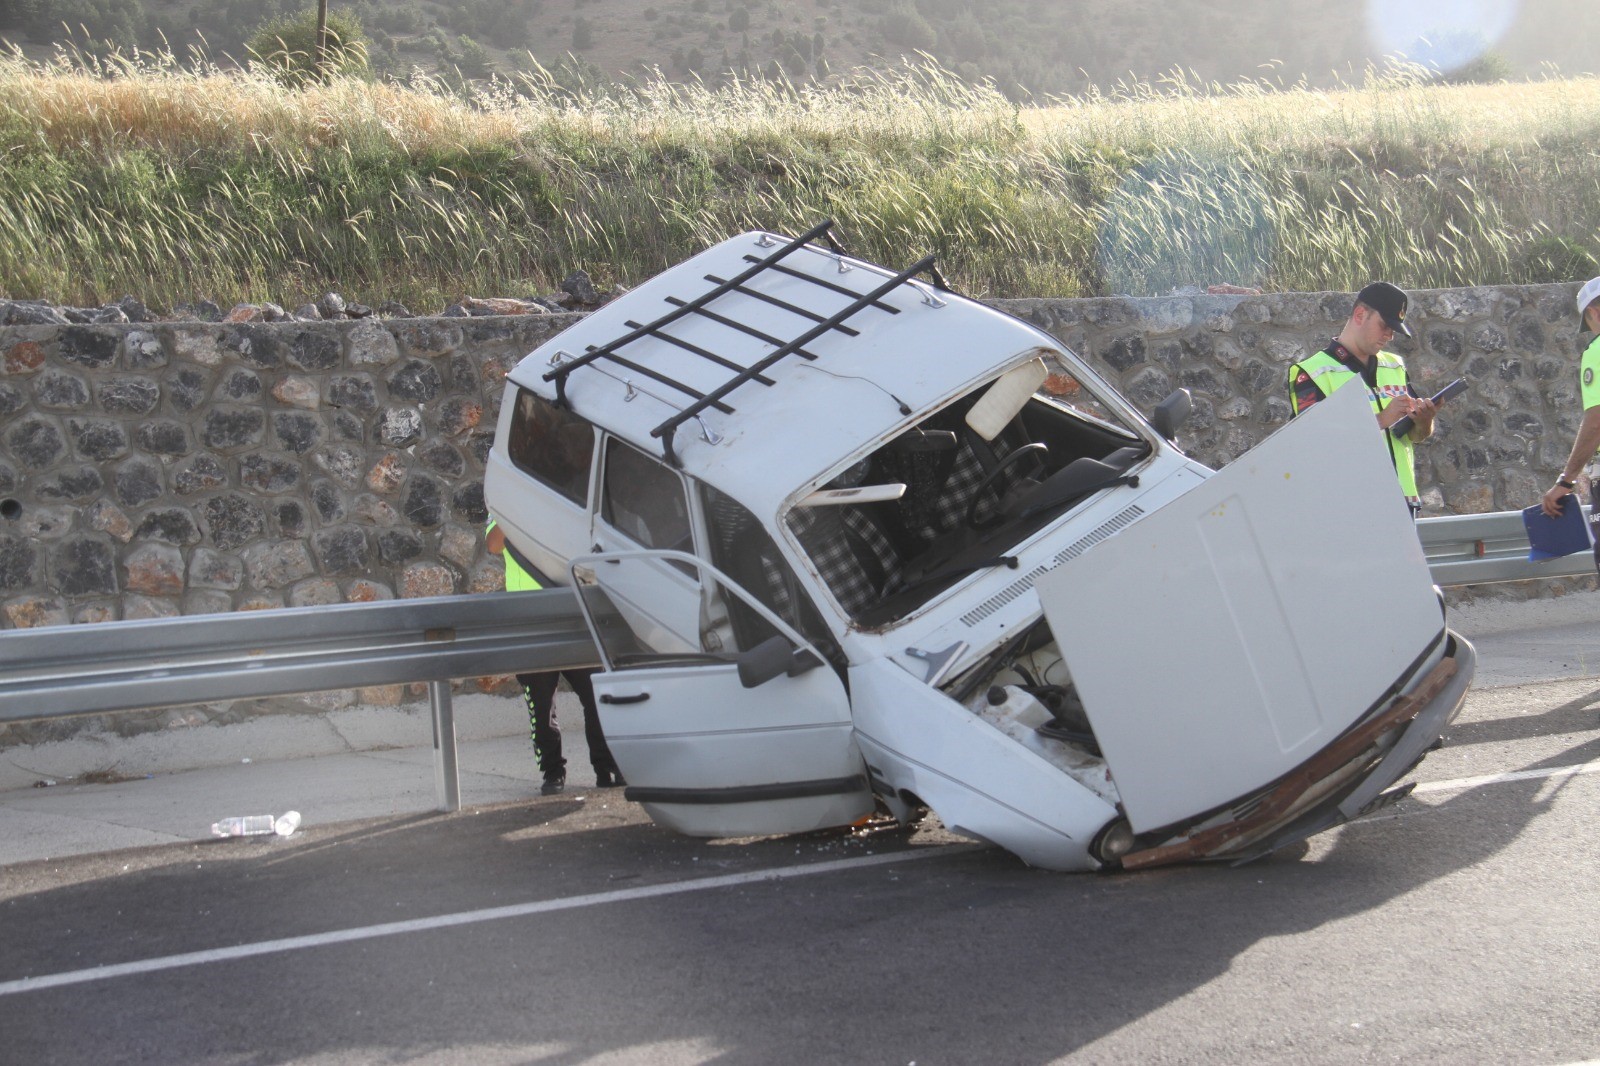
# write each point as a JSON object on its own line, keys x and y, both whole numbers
{"x": 539, "y": 690}
{"x": 1586, "y": 443}
{"x": 1357, "y": 353}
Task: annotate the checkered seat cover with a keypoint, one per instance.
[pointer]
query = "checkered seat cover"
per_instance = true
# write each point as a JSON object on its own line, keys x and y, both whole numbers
{"x": 856, "y": 557}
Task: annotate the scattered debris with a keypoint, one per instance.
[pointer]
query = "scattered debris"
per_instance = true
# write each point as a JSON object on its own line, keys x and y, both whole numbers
{"x": 107, "y": 776}
{"x": 249, "y": 825}
{"x": 255, "y": 825}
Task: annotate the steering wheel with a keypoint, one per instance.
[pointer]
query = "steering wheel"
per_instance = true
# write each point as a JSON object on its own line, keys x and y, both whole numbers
{"x": 1038, "y": 450}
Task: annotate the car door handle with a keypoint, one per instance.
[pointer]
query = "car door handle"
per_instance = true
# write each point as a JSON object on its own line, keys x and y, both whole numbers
{"x": 638, "y": 698}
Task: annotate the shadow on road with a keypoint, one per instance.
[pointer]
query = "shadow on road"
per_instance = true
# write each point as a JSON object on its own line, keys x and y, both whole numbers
{"x": 966, "y": 957}
{"x": 1574, "y": 716}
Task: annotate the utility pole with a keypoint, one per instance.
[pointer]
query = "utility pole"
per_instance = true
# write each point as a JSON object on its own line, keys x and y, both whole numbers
{"x": 320, "y": 49}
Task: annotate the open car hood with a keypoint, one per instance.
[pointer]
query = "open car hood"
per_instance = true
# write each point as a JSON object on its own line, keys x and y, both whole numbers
{"x": 1280, "y": 601}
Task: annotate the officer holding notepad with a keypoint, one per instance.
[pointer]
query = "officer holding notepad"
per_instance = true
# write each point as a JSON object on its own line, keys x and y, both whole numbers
{"x": 1587, "y": 441}
{"x": 1357, "y": 354}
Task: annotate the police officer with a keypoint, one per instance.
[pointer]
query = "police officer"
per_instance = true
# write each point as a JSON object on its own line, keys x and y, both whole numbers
{"x": 1587, "y": 441}
{"x": 1357, "y": 353}
{"x": 539, "y": 690}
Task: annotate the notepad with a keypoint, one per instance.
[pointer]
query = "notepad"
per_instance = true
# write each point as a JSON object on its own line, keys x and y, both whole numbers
{"x": 1551, "y": 538}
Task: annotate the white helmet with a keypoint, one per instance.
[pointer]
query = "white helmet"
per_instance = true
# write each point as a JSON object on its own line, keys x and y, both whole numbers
{"x": 1588, "y": 294}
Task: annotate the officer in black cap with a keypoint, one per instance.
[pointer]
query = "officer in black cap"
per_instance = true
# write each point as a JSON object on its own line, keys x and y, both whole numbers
{"x": 1357, "y": 354}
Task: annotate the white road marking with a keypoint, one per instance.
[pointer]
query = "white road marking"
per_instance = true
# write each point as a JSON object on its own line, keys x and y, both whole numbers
{"x": 1463, "y": 783}
{"x": 595, "y": 899}
{"x": 442, "y": 921}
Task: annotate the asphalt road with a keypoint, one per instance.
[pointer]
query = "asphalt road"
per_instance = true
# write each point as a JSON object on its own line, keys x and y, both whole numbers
{"x": 1461, "y": 926}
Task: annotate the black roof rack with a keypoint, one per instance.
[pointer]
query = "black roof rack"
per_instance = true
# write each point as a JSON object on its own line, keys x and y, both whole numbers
{"x": 737, "y": 284}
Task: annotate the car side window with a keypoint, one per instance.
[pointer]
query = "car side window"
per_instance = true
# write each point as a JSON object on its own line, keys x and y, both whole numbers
{"x": 741, "y": 548}
{"x": 553, "y": 445}
{"x": 644, "y": 499}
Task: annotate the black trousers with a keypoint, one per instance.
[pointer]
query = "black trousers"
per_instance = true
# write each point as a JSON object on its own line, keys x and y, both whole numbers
{"x": 539, "y": 690}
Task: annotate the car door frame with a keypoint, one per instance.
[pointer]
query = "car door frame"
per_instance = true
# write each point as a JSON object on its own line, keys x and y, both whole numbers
{"x": 712, "y": 757}
{"x": 606, "y": 538}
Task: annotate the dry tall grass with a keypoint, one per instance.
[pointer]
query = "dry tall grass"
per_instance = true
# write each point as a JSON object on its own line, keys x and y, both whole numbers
{"x": 169, "y": 181}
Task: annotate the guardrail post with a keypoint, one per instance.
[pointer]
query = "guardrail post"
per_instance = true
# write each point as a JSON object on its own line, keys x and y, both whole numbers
{"x": 446, "y": 774}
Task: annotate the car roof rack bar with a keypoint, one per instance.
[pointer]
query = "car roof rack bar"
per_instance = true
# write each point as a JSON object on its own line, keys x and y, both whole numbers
{"x": 755, "y": 294}
{"x": 703, "y": 353}
{"x": 749, "y": 331}
{"x": 666, "y": 429}
{"x": 656, "y": 375}
{"x": 559, "y": 374}
{"x": 835, "y": 286}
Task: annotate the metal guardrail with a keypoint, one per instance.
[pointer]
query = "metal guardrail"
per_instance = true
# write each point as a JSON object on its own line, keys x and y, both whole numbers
{"x": 1473, "y": 549}
{"x": 59, "y": 671}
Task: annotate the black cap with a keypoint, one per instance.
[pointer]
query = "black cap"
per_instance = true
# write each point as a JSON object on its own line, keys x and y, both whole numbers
{"x": 1390, "y": 302}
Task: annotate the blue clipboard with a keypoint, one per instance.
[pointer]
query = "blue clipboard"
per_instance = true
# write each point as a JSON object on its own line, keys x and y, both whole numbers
{"x": 1551, "y": 538}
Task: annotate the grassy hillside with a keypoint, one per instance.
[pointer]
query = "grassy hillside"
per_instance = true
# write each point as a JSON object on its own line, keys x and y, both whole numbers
{"x": 1027, "y": 47}
{"x": 172, "y": 184}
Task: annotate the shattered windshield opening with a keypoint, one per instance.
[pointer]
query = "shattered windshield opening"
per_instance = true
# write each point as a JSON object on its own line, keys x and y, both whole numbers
{"x": 978, "y": 476}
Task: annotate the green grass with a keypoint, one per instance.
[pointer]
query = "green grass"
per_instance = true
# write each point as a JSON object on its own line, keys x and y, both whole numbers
{"x": 144, "y": 177}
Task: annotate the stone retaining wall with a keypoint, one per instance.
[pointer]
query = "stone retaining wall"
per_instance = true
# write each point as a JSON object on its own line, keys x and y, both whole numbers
{"x": 156, "y": 470}
{"x": 190, "y": 468}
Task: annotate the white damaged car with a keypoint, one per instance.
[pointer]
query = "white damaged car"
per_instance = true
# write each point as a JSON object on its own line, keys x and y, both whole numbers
{"x": 849, "y": 542}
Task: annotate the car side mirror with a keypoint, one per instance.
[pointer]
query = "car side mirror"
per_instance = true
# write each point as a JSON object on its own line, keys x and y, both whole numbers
{"x": 772, "y": 657}
{"x": 1172, "y": 413}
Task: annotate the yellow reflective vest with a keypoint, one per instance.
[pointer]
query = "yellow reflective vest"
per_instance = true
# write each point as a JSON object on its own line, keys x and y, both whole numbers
{"x": 517, "y": 579}
{"x": 1330, "y": 375}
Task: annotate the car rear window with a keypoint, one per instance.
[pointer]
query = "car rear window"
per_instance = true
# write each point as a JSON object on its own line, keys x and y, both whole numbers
{"x": 553, "y": 445}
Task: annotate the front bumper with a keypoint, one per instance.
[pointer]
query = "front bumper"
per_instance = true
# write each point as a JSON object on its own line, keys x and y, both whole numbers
{"x": 1349, "y": 778}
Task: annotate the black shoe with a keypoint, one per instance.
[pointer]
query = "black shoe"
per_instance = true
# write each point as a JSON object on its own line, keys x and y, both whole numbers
{"x": 608, "y": 778}
{"x": 553, "y": 783}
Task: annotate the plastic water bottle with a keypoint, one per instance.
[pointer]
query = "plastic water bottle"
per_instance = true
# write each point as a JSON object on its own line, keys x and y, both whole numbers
{"x": 287, "y": 824}
{"x": 250, "y": 825}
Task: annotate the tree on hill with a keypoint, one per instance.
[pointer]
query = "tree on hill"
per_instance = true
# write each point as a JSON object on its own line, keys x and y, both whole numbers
{"x": 466, "y": 57}
{"x": 287, "y": 47}
{"x": 120, "y": 24}
{"x": 963, "y": 39}
{"x": 904, "y": 25}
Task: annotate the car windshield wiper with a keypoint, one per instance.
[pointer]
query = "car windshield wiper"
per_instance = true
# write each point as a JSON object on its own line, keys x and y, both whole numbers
{"x": 1078, "y": 492}
{"x": 1008, "y": 561}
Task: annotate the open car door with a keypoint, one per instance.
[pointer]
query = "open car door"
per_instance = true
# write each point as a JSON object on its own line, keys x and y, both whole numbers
{"x": 734, "y": 727}
{"x": 1229, "y": 637}
{"x": 644, "y": 506}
